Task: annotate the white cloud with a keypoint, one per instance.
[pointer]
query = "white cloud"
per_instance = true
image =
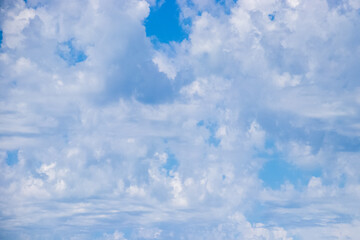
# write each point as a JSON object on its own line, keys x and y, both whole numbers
{"x": 286, "y": 79}
{"x": 207, "y": 35}
{"x": 165, "y": 66}
{"x": 17, "y": 21}
{"x": 241, "y": 22}
{"x": 115, "y": 236}
{"x": 256, "y": 134}
{"x": 304, "y": 156}
{"x": 172, "y": 140}
{"x": 293, "y": 3}
{"x": 135, "y": 191}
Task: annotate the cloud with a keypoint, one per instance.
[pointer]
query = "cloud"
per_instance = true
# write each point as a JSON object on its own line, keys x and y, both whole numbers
{"x": 106, "y": 134}
{"x": 165, "y": 66}
{"x": 116, "y": 236}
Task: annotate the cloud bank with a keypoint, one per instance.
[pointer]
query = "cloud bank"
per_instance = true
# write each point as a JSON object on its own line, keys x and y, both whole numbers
{"x": 247, "y": 128}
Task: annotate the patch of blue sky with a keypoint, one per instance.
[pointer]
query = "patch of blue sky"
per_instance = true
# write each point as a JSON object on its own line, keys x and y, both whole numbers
{"x": 12, "y": 157}
{"x": 212, "y": 128}
{"x": 271, "y": 16}
{"x": 276, "y": 171}
{"x": 171, "y": 163}
{"x": 213, "y": 140}
{"x": 260, "y": 212}
{"x": 226, "y": 4}
{"x": 342, "y": 143}
{"x": 280, "y": 126}
{"x": 1, "y": 37}
{"x": 342, "y": 181}
{"x": 163, "y": 22}
{"x": 200, "y": 123}
{"x": 333, "y": 3}
{"x": 68, "y": 52}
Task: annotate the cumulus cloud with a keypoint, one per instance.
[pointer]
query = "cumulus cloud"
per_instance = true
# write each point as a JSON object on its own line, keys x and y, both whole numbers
{"x": 106, "y": 134}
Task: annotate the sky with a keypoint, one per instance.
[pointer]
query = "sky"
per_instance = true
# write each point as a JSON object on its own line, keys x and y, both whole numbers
{"x": 180, "y": 119}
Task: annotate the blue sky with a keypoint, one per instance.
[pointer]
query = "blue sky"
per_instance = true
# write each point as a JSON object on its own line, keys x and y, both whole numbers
{"x": 179, "y": 119}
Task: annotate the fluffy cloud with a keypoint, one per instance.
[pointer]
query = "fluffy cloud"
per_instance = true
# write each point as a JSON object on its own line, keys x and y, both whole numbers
{"x": 105, "y": 134}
